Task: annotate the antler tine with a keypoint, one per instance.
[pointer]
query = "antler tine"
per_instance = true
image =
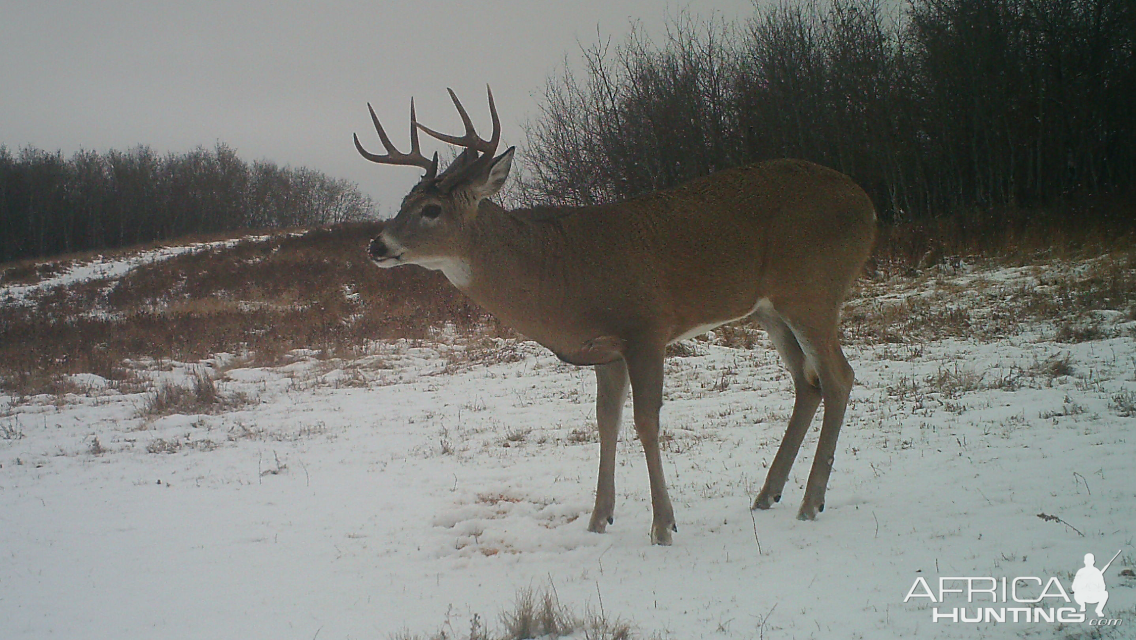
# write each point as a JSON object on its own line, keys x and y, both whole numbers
{"x": 393, "y": 155}
{"x": 382, "y": 137}
{"x": 416, "y": 151}
{"x": 414, "y": 148}
{"x": 470, "y": 140}
{"x": 496, "y": 137}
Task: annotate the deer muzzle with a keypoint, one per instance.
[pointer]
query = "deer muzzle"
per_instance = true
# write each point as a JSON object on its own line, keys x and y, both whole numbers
{"x": 382, "y": 253}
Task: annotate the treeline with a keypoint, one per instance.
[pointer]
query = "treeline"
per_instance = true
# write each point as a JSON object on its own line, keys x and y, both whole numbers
{"x": 50, "y": 204}
{"x": 937, "y": 108}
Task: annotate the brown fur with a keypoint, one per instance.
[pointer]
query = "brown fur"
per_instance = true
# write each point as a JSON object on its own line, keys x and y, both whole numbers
{"x": 612, "y": 285}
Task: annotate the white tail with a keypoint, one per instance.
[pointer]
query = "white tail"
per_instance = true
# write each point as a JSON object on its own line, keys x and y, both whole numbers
{"x": 612, "y": 285}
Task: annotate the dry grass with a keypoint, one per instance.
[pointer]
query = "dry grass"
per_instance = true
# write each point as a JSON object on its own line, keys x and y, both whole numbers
{"x": 200, "y": 397}
{"x": 583, "y": 435}
{"x": 31, "y": 271}
{"x": 1078, "y": 301}
{"x": 1124, "y": 404}
{"x": 263, "y": 298}
{"x": 537, "y": 614}
{"x": 1071, "y": 230}
{"x": 953, "y": 382}
{"x": 10, "y": 430}
{"x": 317, "y": 290}
{"x": 1054, "y": 367}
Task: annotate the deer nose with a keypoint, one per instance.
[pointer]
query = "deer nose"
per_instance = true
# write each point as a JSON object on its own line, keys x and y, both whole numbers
{"x": 378, "y": 249}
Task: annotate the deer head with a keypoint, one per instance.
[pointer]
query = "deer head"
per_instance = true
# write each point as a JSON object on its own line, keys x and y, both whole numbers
{"x": 428, "y": 228}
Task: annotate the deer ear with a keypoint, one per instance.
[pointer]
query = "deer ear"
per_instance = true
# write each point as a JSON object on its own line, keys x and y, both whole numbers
{"x": 495, "y": 175}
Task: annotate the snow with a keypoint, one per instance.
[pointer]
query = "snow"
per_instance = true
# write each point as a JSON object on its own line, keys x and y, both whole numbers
{"x": 417, "y": 485}
{"x": 107, "y": 268}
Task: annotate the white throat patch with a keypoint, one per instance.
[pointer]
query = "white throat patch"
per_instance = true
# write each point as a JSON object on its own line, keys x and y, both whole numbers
{"x": 456, "y": 270}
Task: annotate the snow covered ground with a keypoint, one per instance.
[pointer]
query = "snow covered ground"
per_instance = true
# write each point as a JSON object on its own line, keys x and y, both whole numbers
{"x": 105, "y": 268}
{"x": 425, "y": 482}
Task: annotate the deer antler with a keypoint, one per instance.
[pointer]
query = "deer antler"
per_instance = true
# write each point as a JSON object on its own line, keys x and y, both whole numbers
{"x": 471, "y": 140}
{"x": 394, "y": 156}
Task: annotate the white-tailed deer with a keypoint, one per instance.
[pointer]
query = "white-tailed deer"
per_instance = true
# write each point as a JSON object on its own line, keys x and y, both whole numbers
{"x": 611, "y": 286}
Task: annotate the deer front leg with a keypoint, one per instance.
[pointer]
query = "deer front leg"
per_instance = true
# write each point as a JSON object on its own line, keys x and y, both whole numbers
{"x": 611, "y": 393}
{"x": 645, "y": 369}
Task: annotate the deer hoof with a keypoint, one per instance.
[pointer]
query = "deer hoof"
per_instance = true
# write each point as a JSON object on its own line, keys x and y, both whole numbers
{"x": 808, "y": 512}
{"x": 765, "y": 501}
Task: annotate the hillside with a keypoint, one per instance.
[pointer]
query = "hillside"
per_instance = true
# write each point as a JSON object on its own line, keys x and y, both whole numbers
{"x": 258, "y": 296}
{"x": 268, "y": 437}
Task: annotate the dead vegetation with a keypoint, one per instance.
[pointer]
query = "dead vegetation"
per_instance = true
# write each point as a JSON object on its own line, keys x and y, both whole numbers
{"x": 10, "y": 430}
{"x": 1067, "y": 230}
{"x": 1070, "y": 301}
{"x": 1124, "y": 404}
{"x": 32, "y": 271}
{"x": 201, "y": 396}
{"x": 537, "y": 614}
{"x": 263, "y": 298}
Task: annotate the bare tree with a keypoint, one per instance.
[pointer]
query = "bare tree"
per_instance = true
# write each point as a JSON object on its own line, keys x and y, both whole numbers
{"x": 943, "y": 107}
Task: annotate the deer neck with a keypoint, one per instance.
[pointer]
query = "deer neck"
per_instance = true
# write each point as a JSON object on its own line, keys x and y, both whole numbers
{"x": 512, "y": 266}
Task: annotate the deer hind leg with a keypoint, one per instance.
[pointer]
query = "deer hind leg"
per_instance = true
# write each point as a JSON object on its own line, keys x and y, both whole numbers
{"x": 611, "y": 393}
{"x": 645, "y": 369}
{"x": 808, "y": 393}
{"x": 822, "y": 351}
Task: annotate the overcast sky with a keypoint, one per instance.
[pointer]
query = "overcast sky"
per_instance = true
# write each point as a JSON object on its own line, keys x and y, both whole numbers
{"x": 289, "y": 81}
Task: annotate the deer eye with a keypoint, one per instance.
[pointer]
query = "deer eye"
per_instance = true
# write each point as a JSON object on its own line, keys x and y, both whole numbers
{"x": 431, "y": 211}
